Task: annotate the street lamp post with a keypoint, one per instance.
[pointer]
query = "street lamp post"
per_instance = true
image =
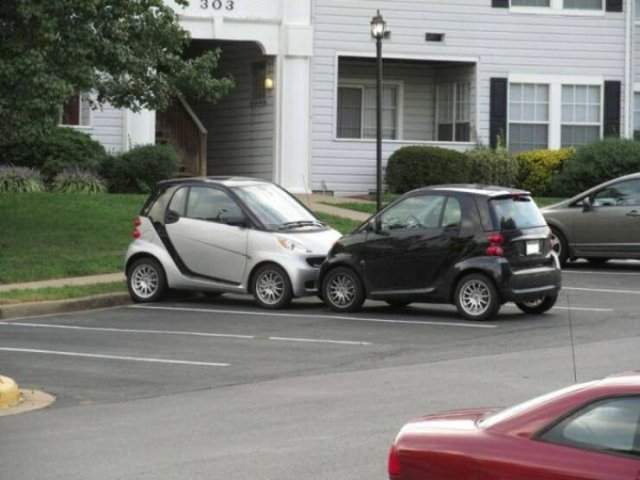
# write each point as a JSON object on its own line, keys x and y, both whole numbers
{"x": 378, "y": 31}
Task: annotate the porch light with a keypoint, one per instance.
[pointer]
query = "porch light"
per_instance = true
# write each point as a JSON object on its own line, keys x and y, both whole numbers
{"x": 268, "y": 82}
{"x": 378, "y": 27}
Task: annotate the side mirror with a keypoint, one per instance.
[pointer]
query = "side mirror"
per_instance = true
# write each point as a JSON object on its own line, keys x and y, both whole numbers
{"x": 236, "y": 222}
{"x": 587, "y": 206}
{"x": 171, "y": 217}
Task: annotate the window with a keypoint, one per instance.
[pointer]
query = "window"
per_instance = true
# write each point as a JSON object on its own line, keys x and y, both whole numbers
{"x": 623, "y": 194}
{"x": 418, "y": 212}
{"x": 179, "y": 201}
{"x": 636, "y": 115}
{"x": 212, "y": 205}
{"x": 530, "y": 3}
{"x": 357, "y": 112}
{"x": 452, "y": 215}
{"x": 528, "y": 116}
{"x": 610, "y": 425}
{"x": 581, "y": 114}
{"x": 453, "y": 112}
{"x": 517, "y": 213}
{"x": 583, "y": 4}
{"x": 637, "y": 8}
{"x": 76, "y": 112}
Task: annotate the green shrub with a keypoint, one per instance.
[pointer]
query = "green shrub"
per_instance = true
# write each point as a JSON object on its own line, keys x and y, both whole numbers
{"x": 597, "y": 163}
{"x": 139, "y": 169}
{"x": 20, "y": 180}
{"x": 538, "y": 168}
{"x": 76, "y": 180}
{"x": 492, "y": 167}
{"x": 413, "y": 167}
{"x": 62, "y": 148}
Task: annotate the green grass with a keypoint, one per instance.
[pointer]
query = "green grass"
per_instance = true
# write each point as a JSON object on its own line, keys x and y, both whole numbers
{"x": 48, "y": 235}
{"x": 371, "y": 207}
{"x": 343, "y": 225}
{"x": 60, "y": 293}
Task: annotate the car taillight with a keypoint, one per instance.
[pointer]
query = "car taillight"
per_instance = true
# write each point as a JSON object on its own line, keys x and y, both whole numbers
{"x": 136, "y": 231}
{"x": 394, "y": 463}
{"x": 495, "y": 249}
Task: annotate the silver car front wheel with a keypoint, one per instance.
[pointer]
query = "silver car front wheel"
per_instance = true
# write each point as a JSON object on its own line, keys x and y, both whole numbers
{"x": 271, "y": 287}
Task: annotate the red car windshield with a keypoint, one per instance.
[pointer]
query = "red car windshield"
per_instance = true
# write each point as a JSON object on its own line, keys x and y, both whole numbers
{"x": 511, "y": 412}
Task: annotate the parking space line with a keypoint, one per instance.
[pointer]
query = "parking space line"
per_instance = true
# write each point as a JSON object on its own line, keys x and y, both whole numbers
{"x": 329, "y": 317}
{"x": 128, "y": 330}
{"x": 602, "y": 290}
{"x": 313, "y": 340}
{"x": 590, "y": 272}
{"x": 113, "y": 357}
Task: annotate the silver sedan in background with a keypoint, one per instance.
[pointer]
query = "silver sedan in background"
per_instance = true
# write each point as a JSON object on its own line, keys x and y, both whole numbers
{"x": 600, "y": 224}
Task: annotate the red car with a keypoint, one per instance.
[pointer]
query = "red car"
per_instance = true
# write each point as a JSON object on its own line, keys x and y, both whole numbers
{"x": 589, "y": 431}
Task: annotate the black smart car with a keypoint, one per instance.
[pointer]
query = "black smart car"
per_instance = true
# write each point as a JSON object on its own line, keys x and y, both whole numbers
{"x": 474, "y": 246}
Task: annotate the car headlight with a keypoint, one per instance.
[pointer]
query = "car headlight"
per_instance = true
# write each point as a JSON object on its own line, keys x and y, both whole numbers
{"x": 292, "y": 245}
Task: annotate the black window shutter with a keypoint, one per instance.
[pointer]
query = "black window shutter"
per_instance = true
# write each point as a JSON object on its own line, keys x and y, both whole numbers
{"x": 615, "y": 5}
{"x": 500, "y": 3}
{"x": 612, "y": 106}
{"x": 498, "y": 111}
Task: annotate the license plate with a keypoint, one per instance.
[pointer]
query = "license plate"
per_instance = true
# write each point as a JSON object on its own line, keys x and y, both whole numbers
{"x": 533, "y": 248}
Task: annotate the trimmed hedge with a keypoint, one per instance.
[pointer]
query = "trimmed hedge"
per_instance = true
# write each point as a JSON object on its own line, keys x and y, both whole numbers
{"x": 492, "y": 167}
{"x": 62, "y": 148}
{"x": 597, "y": 163}
{"x": 537, "y": 169}
{"x": 413, "y": 167}
{"x": 139, "y": 169}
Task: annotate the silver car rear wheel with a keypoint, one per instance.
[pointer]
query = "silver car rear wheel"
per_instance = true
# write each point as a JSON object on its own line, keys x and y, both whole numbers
{"x": 146, "y": 280}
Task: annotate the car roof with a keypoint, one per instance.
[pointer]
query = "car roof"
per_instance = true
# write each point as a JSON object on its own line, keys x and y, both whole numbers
{"x": 224, "y": 181}
{"x": 476, "y": 189}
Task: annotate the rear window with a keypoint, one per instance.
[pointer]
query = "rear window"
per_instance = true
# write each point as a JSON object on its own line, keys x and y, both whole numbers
{"x": 516, "y": 213}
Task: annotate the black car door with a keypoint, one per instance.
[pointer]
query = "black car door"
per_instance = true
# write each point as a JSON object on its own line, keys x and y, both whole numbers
{"x": 409, "y": 244}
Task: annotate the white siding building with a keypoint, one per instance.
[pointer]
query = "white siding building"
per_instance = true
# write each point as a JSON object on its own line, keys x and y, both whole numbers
{"x": 535, "y": 73}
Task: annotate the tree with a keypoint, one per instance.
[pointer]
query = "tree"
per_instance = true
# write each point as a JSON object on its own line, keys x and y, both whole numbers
{"x": 130, "y": 53}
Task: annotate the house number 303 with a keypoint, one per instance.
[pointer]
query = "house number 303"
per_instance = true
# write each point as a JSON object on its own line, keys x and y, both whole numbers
{"x": 218, "y": 5}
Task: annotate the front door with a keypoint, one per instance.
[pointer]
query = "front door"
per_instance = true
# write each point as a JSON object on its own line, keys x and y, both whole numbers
{"x": 202, "y": 236}
{"x": 611, "y": 227}
{"x": 410, "y": 244}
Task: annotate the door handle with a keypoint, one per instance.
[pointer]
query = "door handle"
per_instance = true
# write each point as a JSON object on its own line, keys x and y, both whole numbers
{"x": 633, "y": 213}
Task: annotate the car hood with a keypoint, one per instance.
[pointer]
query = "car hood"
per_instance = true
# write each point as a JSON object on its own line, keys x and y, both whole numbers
{"x": 319, "y": 242}
{"x": 453, "y": 421}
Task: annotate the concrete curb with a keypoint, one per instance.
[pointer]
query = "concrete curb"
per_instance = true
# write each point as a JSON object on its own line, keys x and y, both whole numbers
{"x": 63, "y": 306}
{"x": 9, "y": 393}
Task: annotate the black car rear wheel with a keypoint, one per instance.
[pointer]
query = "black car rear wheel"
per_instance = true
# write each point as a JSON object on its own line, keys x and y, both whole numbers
{"x": 539, "y": 305}
{"x": 342, "y": 290}
{"x": 477, "y": 298}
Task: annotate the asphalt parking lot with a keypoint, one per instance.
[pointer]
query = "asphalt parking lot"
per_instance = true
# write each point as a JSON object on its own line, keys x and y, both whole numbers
{"x": 195, "y": 389}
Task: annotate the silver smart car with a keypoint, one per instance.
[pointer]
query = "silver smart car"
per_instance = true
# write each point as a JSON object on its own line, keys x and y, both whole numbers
{"x": 226, "y": 235}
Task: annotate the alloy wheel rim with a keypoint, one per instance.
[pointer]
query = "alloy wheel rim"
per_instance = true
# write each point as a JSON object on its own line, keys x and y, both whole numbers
{"x": 342, "y": 290}
{"x": 475, "y": 298}
{"x": 145, "y": 281}
{"x": 556, "y": 245}
{"x": 270, "y": 287}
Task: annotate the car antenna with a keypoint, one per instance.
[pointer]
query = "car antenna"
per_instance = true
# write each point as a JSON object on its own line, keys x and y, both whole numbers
{"x": 572, "y": 338}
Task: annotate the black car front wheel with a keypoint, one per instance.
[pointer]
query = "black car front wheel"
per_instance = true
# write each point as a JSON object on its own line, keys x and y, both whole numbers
{"x": 477, "y": 298}
{"x": 539, "y": 305}
{"x": 342, "y": 290}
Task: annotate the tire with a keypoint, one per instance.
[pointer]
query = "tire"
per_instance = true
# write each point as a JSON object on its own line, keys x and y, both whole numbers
{"x": 398, "y": 303}
{"x": 539, "y": 306}
{"x": 271, "y": 287}
{"x": 477, "y": 298}
{"x": 342, "y": 290}
{"x": 146, "y": 280}
{"x": 559, "y": 245}
{"x": 597, "y": 261}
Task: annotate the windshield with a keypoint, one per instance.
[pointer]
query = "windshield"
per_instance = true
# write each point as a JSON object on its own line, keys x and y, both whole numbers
{"x": 275, "y": 208}
{"x": 512, "y": 412}
{"x": 515, "y": 213}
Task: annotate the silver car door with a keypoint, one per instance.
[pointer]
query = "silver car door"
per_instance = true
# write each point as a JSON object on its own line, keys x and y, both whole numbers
{"x": 611, "y": 227}
{"x": 205, "y": 241}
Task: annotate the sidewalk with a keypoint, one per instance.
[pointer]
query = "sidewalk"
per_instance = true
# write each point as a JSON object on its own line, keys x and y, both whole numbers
{"x": 65, "y": 282}
{"x": 317, "y": 202}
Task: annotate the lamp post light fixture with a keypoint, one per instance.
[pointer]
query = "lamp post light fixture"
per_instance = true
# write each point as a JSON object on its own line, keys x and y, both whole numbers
{"x": 378, "y": 32}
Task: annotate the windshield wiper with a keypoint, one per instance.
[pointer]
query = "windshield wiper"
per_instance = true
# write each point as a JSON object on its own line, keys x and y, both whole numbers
{"x": 300, "y": 223}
